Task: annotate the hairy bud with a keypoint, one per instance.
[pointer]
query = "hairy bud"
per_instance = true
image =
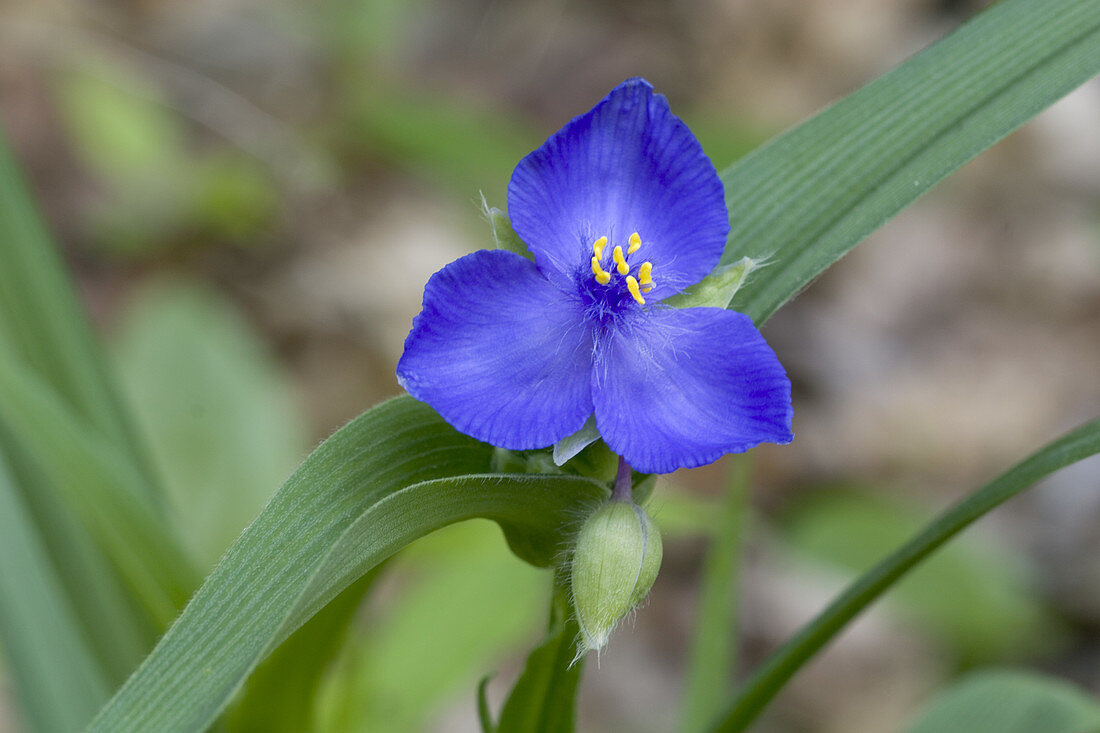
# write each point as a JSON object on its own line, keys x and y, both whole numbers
{"x": 615, "y": 562}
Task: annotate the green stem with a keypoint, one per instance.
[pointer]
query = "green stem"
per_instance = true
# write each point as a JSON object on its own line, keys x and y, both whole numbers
{"x": 715, "y": 643}
{"x": 544, "y": 698}
{"x": 784, "y": 663}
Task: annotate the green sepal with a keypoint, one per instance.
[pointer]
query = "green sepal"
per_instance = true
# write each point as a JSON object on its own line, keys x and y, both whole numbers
{"x": 571, "y": 445}
{"x": 484, "y": 714}
{"x": 717, "y": 289}
{"x": 504, "y": 236}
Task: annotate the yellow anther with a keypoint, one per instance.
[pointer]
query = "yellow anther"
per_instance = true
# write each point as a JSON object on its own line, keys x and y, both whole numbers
{"x": 602, "y": 277}
{"x": 620, "y": 261}
{"x": 645, "y": 276}
{"x": 635, "y": 242}
{"x": 598, "y": 246}
{"x": 632, "y": 286}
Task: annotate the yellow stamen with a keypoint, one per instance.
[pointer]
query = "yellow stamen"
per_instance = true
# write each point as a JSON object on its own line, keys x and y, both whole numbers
{"x": 635, "y": 242}
{"x": 645, "y": 273}
{"x": 632, "y": 286}
{"x": 598, "y": 246}
{"x": 620, "y": 261}
{"x": 602, "y": 277}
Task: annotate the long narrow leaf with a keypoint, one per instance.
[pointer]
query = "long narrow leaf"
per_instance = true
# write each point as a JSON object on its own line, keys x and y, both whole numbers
{"x": 59, "y": 682}
{"x": 392, "y": 475}
{"x": 102, "y": 486}
{"x": 46, "y": 324}
{"x": 114, "y": 627}
{"x": 805, "y": 199}
{"x": 89, "y": 612}
{"x": 781, "y": 666}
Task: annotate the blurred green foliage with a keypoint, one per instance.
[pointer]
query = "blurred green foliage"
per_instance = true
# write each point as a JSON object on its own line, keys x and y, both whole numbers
{"x": 463, "y": 604}
{"x": 159, "y": 188}
{"x": 972, "y": 595}
{"x": 218, "y": 415}
{"x": 1009, "y": 702}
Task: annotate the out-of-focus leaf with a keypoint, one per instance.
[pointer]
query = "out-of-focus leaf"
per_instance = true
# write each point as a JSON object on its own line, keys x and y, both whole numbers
{"x": 971, "y": 596}
{"x": 467, "y": 145}
{"x": 234, "y": 197}
{"x": 465, "y": 603}
{"x": 1009, "y": 702}
{"x": 155, "y": 190}
{"x": 119, "y": 123}
{"x": 59, "y": 682}
{"x": 42, "y": 323}
{"x": 360, "y": 28}
{"x": 805, "y": 199}
{"x": 216, "y": 412}
{"x": 112, "y": 622}
{"x": 715, "y": 640}
{"x": 102, "y": 487}
{"x": 394, "y": 474}
{"x": 44, "y": 335}
{"x": 544, "y": 698}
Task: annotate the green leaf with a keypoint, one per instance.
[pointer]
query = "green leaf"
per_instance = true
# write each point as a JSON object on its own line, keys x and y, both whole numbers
{"x": 58, "y": 679}
{"x": 104, "y": 489}
{"x": 970, "y": 595}
{"x": 465, "y": 602}
{"x": 808, "y": 197}
{"x": 42, "y": 321}
{"x": 544, "y": 697}
{"x": 116, "y": 630}
{"x": 1009, "y": 702}
{"x": 44, "y": 331}
{"x": 282, "y": 693}
{"x": 390, "y": 476}
{"x": 216, "y": 412}
{"x": 784, "y": 663}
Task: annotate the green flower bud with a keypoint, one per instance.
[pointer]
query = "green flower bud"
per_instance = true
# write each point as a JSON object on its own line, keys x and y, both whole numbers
{"x": 615, "y": 562}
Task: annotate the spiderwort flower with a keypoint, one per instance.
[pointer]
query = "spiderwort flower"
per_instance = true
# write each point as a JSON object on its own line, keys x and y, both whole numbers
{"x": 620, "y": 209}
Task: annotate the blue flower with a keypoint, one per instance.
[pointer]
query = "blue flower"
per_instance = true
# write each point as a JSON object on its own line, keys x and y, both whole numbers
{"x": 621, "y": 209}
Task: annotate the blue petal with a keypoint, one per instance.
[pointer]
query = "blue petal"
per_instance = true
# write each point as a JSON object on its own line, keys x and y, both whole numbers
{"x": 500, "y": 353}
{"x": 681, "y": 388}
{"x": 629, "y": 165}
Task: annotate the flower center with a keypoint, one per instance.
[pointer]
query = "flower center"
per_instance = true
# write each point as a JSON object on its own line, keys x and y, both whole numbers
{"x": 636, "y": 285}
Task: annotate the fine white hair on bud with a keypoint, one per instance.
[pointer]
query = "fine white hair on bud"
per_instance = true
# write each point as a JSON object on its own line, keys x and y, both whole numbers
{"x": 615, "y": 562}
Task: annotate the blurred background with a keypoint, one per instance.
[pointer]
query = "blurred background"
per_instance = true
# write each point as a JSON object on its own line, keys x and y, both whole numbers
{"x": 252, "y": 194}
